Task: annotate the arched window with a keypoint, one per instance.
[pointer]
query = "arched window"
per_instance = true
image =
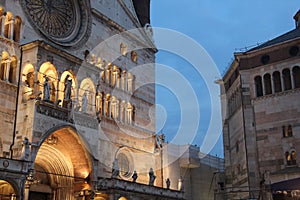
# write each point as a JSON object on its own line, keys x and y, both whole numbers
{"x": 2, "y": 19}
{"x": 284, "y": 133}
{"x": 67, "y": 78}
{"x": 122, "y": 111}
{"x": 293, "y": 158}
{"x": 123, "y": 49}
{"x": 129, "y": 113}
{"x": 108, "y": 74}
{"x": 258, "y": 86}
{"x": 287, "y": 131}
{"x": 115, "y": 77}
{"x": 13, "y": 70}
{"x": 99, "y": 103}
{"x": 28, "y": 75}
{"x": 102, "y": 76}
{"x": 123, "y": 80}
{"x": 4, "y": 65}
{"x": 267, "y": 84}
{"x": 87, "y": 92}
{"x": 129, "y": 82}
{"x": 287, "y": 79}
{"x": 296, "y": 76}
{"x": 114, "y": 108}
{"x": 277, "y": 81}
{"x": 290, "y": 131}
{"x": 49, "y": 70}
{"x": 107, "y": 106}
{"x": 134, "y": 56}
{"x": 8, "y": 26}
{"x": 288, "y": 158}
{"x": 17, "y": 29}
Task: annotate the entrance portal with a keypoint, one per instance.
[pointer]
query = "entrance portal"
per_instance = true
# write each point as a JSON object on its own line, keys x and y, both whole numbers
{"x": 62, "y": 167}
{"x": 7, "y": 192}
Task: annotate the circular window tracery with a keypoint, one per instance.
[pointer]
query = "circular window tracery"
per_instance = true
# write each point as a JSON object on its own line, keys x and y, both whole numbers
{"x": 64, "y": 22}
{"x": 125, "y": 165}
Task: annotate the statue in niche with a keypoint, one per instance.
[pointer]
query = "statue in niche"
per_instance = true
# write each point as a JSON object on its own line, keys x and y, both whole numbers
{"x": 46, "y": 89}
{"x": 133, "y": 56}
{"x": 84, "y": 103}
{"x": 152, "y": 177}
{"x": 180, "y": 184}
{"x": 168, "y": 183}
{"x": 68, "y": 88}
{"x": 99, "y": 61}
{"x": 30, "y": 80}
{"x": 134, "y": 176}
{"x": 93, "y": 59}
{"x": 25, "y": 149}
{"x": 115, "y": 169}
{"x": 123, "y": 49}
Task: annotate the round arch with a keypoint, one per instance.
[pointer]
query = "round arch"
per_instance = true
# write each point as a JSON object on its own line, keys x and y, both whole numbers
{"x": 62, "y": 164}
{"x": 87, "y": 88}
{"x": 48, "y": 70}
{"x": 67, "y": 75}
{"x": 8, "y": 190}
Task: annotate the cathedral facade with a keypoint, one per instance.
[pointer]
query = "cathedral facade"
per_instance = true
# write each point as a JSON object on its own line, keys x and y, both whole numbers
{"x": 77, "y": 102}
{"x": 260, "y": 101}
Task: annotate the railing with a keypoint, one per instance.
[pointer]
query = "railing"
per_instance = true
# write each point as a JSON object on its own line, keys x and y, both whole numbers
{"x": 116, "y": 184}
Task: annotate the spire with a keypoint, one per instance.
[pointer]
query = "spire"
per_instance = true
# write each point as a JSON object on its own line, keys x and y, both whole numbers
{"x": 142, "y": 8}
{"x": 297, "y": 19}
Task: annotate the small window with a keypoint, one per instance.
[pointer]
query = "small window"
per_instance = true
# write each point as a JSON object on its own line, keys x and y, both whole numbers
{"x": 296, "y": 76}
{"x": 287, "y": 131}
{"x": 267, "y": 84}
{"x": 291, "y": 158}
{"x": 237, "y": 147}
{"x": 277, "y": 81}
{"x": 287, "y": 79}
{"x": 134, "y": 56}
{"x": 288, "y": 158}
{"x": 258, "y": 86}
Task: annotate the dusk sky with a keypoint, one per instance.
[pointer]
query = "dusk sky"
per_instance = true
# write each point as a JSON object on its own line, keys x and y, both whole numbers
{"x": 221, "y": 28}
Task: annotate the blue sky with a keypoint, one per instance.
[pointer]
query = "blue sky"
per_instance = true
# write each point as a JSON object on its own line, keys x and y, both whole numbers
{"x": 221, "y": 28}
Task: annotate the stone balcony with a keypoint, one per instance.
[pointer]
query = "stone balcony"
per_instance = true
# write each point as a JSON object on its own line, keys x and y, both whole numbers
{"x": 14, "y": 166}
{"x": 116, "y": 186}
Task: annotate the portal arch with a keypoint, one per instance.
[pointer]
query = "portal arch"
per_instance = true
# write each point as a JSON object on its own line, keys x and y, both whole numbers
{"x": 62, "y": 165}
